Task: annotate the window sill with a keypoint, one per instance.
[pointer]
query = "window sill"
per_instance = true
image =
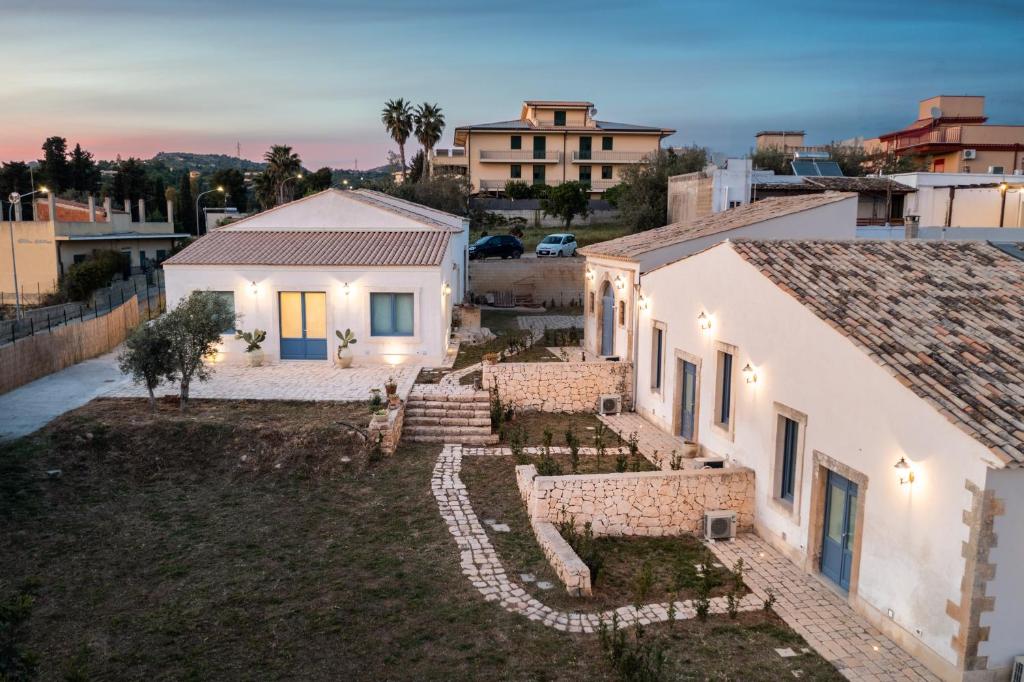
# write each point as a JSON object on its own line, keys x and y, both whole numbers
{"x": 786, "y": 508}
{"x": 723, "y": 430}
{"x": 393, "y": 339}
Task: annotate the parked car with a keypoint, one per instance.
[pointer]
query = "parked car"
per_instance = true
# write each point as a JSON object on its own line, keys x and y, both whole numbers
{"x": 562, "y": 244}
{"x": 497, "y": 245}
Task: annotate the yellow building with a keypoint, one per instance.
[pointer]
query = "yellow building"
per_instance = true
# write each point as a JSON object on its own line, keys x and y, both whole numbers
{"x": 951, "y": 135}
{"x": 551, "y": 142}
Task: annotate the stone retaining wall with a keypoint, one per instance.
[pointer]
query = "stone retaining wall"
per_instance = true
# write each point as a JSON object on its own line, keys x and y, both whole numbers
{"x": 559, "y": 386}
{"x": 388, "y": 426}
{"x": 640, "y": 503}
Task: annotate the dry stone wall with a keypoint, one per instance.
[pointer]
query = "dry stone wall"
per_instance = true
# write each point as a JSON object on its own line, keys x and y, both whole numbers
{"x": 650, "y": 503}
{"x": 559, "y": 386}
{"x": 387, "y": 427}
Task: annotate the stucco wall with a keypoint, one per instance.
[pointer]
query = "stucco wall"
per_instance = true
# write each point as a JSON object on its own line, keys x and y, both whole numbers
{"x": 558, "y": 386}
{"x": 545, "y": 279}
{"x": 910, "y": 559}
{"x": 36, "y": 257}
{"x": 649, "y": 503}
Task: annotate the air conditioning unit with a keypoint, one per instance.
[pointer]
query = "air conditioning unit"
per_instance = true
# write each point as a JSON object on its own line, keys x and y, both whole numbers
{"x": 720, "y": 525}
{"x": 1017, "y": 674}
{"x": 609, "y": 404}
{"x": 995, "y": 170}
{"x": 709, "y": 462}
{"x": 970, "y": 154}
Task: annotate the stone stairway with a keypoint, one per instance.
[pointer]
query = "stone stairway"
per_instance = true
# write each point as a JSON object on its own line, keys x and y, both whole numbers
{"x": 448, "y": 415}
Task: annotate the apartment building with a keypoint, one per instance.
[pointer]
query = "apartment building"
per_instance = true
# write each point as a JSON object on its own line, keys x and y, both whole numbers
{"x": 551, "y": 142}
{"x": 952, "y": 135}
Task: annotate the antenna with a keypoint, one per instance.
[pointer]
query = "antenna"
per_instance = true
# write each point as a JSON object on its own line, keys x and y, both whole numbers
{"x": 936, "y": 112}
{"x": 238, "y": 149}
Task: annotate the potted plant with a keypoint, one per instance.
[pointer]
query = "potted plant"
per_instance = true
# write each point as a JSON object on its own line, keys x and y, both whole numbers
{"x": 253, "y": 350}
{"x": 345, "y": 340}
{"x": 391, "y": 388}
{"x": 491, "y": 358}
{"x": 375, "y": 400}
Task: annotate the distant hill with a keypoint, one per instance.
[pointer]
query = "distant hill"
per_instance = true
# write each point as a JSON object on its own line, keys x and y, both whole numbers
{"x": 205, "y": 163}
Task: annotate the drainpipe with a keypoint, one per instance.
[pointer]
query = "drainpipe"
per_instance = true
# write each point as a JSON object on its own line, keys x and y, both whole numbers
{"x": 949, "y": 207}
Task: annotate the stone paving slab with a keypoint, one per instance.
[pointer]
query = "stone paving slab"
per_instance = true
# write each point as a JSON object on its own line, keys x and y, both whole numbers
{"x": 656, "y": 445}
{"x": 291, "y": 380}
{"x": 538, "y": 323}
{"x": 819, "y": 615}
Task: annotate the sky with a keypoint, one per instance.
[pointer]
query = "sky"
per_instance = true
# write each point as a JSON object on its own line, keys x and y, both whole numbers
{"x": 136, "y": 77}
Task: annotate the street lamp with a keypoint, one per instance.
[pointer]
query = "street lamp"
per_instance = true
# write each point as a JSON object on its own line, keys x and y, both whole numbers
{"x": 280, "y": 187}
{"x": 198, "y": 198}
{"x": 15, "y": 199}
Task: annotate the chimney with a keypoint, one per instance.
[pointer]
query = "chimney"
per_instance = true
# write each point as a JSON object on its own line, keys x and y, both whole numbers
{"x": 128, "y": 208}
{"x": 51, "y": 204}
{"x": 170, "y": 214}
{"x": 142, "y": 210}
{"x": 911, "y": 226}
{"x": 108, "y": 208}
{"x": 92, "y": 209}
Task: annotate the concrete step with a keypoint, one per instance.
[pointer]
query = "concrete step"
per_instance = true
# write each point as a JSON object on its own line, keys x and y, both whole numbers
{"x": 439, "y": 413}
{"x": 447, "y": 407}
{"x": 446, "y": 430}
{"x": 446, "y": 421}
{"x": 443, "y": 397}
{"x": 464, "y": 440}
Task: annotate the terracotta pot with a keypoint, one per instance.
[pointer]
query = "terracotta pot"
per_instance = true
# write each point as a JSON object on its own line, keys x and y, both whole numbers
{"x": 394, "y": 401}
{"x": 256, "y": 357}
{"x": 344, "y": 358}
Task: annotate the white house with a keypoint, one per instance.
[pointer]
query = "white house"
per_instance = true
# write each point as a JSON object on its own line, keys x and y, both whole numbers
{"x": 614, "y": 267}
{"x": 965, "y": 199}
{"x": 877, "y": 390}
{"x": 388, "y": 269}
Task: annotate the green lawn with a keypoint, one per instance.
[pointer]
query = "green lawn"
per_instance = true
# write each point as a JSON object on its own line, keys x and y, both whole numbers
{"x": 585, "y": 234}
{"x": 237, "y": 543}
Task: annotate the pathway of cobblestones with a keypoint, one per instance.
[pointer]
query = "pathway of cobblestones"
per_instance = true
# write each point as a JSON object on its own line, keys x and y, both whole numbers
{"x": 481, "y": 565}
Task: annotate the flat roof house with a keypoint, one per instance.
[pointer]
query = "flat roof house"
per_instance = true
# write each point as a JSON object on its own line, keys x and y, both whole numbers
{"x": 614, "y": 267}
{"x": 388, "y": 269}
{"x": 877, "y": 390}
{"x": 551, "y": 142}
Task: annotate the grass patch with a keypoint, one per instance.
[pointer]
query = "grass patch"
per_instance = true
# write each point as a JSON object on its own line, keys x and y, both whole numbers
{"x": 584, "y": 424}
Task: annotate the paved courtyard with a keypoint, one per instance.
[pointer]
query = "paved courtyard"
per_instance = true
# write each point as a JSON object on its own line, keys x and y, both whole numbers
{"x": 656, "y": 445}
{"x": 292, "y": 380}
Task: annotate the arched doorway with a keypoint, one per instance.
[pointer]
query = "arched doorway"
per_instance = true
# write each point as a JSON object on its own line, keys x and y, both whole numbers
{"x": 607, "y": 320}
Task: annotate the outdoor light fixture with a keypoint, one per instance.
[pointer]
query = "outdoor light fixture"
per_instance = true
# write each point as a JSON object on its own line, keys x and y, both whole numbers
{"x": 903, "y": 467}
{"x": 749, "y": 374}
{"x": 619, "y": 282}
{"x": 704, "y": 321}
{"x": 255, "y": 289}
{"x": 590, "y": 274}
{"x": 447, "y": 289}
{"x": 344, "y": 288}
{"x": 645, "y": 303}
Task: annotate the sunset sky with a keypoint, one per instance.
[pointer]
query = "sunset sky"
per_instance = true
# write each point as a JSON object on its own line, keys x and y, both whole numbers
{"x": 142, "y": 76}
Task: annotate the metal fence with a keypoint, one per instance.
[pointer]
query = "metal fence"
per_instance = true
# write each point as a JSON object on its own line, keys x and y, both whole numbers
{"x": 148, "y": 288}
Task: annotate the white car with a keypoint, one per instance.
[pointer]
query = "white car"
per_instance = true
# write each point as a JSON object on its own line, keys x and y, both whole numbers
{"x": 562, "y": 245}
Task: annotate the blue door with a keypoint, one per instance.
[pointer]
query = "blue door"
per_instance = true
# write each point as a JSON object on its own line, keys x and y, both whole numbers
{"x": 837, "y": 540}
{"x": 303, "y": 325}
{"x": 689, "y": 398}
{"x": 607, "y": 321}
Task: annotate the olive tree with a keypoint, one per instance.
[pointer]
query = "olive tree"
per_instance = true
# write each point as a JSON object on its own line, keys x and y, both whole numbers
{"x": 566, "y": 201}
{"x": 147, "y": 357}
{"x": 193, "y": 329}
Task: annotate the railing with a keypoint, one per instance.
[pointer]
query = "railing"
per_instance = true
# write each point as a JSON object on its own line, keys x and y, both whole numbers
{"x": 869, "y": 222}
{"x": 601, "y": 156}
{"x": 602, "y": 185}
{"x": 451, "y": 153}
{"x": 499, "y": 185}
{"x": 936, "y": 136}
{"x": 517, "y": 155}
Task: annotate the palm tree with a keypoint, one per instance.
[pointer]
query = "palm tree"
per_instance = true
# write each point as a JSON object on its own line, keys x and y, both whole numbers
{"x": 397, "y": 120}
{"x": 282, "y": 165}
{"x": 429, "y": 126}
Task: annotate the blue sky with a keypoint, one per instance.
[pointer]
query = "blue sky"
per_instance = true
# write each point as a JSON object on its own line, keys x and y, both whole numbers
{"x": 134, "y": 77}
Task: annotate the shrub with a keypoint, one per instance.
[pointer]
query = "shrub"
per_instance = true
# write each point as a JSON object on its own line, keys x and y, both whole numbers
{"x": 636, "y": 660}
{"x": 517, "y": 189}
{"x": 573, "y": 443}
{"x": 147, "y": 357}
{"x": 193, "y": 329}
{"x": 15, "y": 662}
{"x": 643, "y": 583}
{"x": 497, "y": 412}
{"x": 516, "y": 438}
{"x": 599, "y": 432}
{"x": 566, "y": 201}
{"x": 95, "y": 272}
{"x": 583, "y": 544}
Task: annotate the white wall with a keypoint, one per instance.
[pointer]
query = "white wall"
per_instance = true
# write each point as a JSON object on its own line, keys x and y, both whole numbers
{"x": 857, "y": 414}
{"x": 972, "y": 207}
{"x": 598, "y": 271}
{"x": 1006, "y": 621}
{"x": 432, "y": 308}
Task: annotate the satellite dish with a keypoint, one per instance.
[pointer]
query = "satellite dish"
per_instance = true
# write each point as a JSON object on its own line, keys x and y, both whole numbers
{"x": 593, "y": 112}
{"x": 936, "y": 112}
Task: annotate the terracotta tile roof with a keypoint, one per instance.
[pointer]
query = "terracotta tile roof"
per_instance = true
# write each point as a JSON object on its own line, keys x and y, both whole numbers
{"x": 317, "y": 248}
{"x": 859, "y": 184}
{"x": 632, "y": 245}
{"x": 946, "y": 319}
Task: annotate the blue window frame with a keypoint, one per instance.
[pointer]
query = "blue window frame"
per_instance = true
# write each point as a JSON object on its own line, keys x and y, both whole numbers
{"x": 725, "y": 388}
{"x": 391, "y": 314}
{"x": 790, "y": 435}
{"x": 229, "y": 298}
{"x": 659, "y": 349}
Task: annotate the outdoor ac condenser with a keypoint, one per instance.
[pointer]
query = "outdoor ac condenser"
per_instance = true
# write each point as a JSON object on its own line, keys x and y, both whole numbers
{"x": 609, "y": 404}
{"x": 970, "y": 154}
{"x": 720, "y": 525}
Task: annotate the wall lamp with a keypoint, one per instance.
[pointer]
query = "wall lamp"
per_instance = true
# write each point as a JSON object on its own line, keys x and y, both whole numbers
{"x": 906, "y": 473}
{"x": 590, "y": 274}
{"x": 645, "y": 302}
{"x": 254, "y": 288}
{"x": 620, "y": 283}
{"x": 447, "y": 289}
{"x": 749, "y": 373}
{"x": 704, "y": 320}
{"x": 345, "y": 288}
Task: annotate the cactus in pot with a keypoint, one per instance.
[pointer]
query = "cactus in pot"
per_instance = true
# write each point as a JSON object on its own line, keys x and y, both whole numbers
{"x": 345, "y": 340}
{"x": 253, "y": 349}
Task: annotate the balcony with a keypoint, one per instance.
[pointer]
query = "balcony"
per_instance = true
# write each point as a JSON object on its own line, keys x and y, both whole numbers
{"x": 602, "y": 185}
{"x": 937, "y": 136}
{"x": 449, "y": 157}
{"x": 601, "y": 156}
{"x": 499, "y": 185}
{"x": 518, "y": 156}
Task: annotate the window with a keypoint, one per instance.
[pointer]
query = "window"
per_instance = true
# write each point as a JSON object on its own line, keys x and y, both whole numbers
{"x": 733, "y": 203}
{"x": 516, "y": 142}
{"x": 657, "y": 355}
{"x": 229, "y": 298}
{"x": 559, "y": 118}
{"x": 79, "y": 258}
{"x": 789, "y": 433}
{"x": 606, "y": 172}
{"x": 586, "y": 143}
{"x": 584, "y": 173}
{"x": 538, "y": 175}
{"x": 161, "y": 255}
{"x": 622, "y": 313}
{"x": 391, "y": 314}
{"x": 592, "y": 302}
{"x": 723, "y": 406}
{"x": 516, "y": 171}
{"x": 606, "y": 144}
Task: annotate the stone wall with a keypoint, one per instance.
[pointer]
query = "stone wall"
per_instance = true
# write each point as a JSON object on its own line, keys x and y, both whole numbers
{"x": 545, "y": 279}
{"x": 559, "y": 386}
{"x": 640, "y": 503}
{"x": 387, "y": 427}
